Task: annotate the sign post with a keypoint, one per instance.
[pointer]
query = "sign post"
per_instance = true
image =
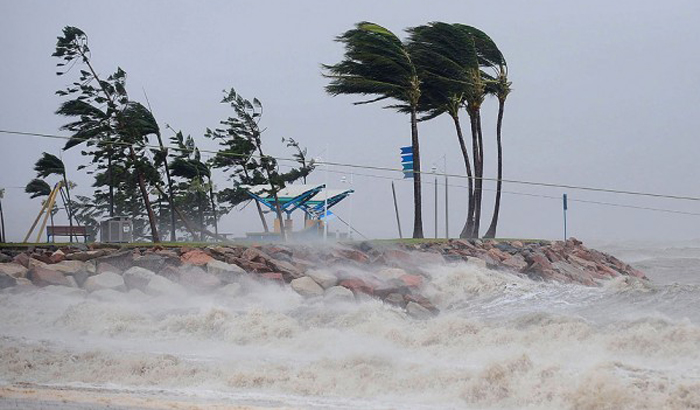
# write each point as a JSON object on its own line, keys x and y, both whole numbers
{"x": 407, "y": 161}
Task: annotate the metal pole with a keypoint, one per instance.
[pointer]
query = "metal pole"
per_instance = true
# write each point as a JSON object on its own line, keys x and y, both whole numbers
{"x": 2, "y": 222}
{"x": 447, "y": 223}
{"x": 325, "y": 204}
{"x": 565, "y": 206}
{"x": 396, "y": 209}
{"x": 436, "y": 207}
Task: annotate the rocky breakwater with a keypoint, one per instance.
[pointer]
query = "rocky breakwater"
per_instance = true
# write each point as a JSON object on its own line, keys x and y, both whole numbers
{"x": 395, "y": 273}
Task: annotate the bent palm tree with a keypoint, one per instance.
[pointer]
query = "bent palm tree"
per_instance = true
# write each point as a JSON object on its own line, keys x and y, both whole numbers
{"x": 378, "y": 63}
{"x": 500, "y": 87}
{"x": 49, "y": 165}
{"x": 447, "y": 59}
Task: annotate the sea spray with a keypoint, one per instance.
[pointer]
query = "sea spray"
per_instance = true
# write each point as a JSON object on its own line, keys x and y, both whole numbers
{"x": 500, "y": 341}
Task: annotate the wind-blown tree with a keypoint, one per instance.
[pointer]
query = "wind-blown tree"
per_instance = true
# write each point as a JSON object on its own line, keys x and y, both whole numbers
{"x": 197, "y": 186}
{"x": 105, "y": 115}
{"x": 447, "y": 61}
{"x": 49, "y": 165}
{"x": 237, "y": 158}
{"x": 377, "y": 63}
{"x": 243, "y": 129}
{"x": 38, "y": 188}
{"x": 490, "y": 57}
{"x": 500, "y": 87}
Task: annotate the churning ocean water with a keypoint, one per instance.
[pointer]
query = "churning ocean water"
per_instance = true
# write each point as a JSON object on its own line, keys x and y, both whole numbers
{"x": 500, "y": 342}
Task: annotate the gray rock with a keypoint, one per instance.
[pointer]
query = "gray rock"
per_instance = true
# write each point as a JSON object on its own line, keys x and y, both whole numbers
{"x": 137, "y": 277}
{"x": 339, "y": 294}
{"x": 307, "y": 287}
{"x": 417, "y": 311}
{"x": 158, "y": 285}
{"x": 7, "y": 281}
{"x": 323, "y": 277}
{"x": 395, "y": 299}
{"x": 226, "y": 272}
{"x": 105, "y": 280}
{"x": 69, "y": 267}
{"x": 5, "y": 258}
{"x": 13, "y": 269}
{"x": 151, "y": 262}
{"x": 44, "y": 277}
{"x": 197, "y": 278}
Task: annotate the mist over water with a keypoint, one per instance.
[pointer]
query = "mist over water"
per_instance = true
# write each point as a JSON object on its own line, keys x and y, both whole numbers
{"x": 500, "y": 341}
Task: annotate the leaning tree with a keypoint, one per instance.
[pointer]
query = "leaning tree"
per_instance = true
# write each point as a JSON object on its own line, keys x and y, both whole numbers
{"x": 105, "y": 116}
{"x": 377, "y": 63}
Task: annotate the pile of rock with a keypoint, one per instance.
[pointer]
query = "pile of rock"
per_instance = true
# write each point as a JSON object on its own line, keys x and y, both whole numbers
{"x": 394, "y": 273}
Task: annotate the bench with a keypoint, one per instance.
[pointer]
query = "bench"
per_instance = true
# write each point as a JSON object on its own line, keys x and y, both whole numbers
{"x": 59, "y": 230}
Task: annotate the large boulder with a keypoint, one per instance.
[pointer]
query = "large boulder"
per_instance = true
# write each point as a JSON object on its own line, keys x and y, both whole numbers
{"x": 7, "y": 281}
{"x": 196, "y": 257}
{"x": 338, "y": 294}
{"x": 70, "y": 267}
{"x": 158, "y": 285}
{"x": 307, "y": 287}
{"x": 197, "y": 278}
{"x": 137, "y": 278}
{"x": 323, "y": 277}
{"x": 13, "y": 269}
{"x": 151, "y": 262}
{"x": 226, "y": 272}
{"x": 86, "y": 255}
{"x": 417, "y": 311}
{"x": 105, "y": 280}
{"x": 41, "y": 276}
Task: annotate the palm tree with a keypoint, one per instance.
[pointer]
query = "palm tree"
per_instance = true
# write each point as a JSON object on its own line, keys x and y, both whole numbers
{"x": 39, "y": 188}
{"x": 447, "y": 60}
{"x": 49, "y": 165}
{"x": 377, "y": 63}
{"x": 500, "y": 88}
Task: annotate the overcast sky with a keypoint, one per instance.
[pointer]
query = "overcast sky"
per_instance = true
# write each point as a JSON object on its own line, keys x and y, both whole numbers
{"x": 606, "y": 94}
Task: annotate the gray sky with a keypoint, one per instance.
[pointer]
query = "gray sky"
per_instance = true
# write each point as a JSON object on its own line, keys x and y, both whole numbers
{"x": 605, "y": 94}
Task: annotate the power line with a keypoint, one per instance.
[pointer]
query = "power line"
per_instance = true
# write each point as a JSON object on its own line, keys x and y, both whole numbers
{"x": 388, "y": 169}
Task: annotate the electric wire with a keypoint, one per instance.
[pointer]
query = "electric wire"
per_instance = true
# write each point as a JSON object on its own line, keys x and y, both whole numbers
{"x": 389, "y": 169}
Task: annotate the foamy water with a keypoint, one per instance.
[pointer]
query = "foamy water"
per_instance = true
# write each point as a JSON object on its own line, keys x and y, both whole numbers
{"x": 500, "y": 342}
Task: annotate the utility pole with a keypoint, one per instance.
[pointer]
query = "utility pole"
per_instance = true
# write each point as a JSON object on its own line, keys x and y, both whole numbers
{"x": 396, "y": 209}
{"x": 566, "y": 207}
{"x": 3, "y": 239}
{"x": 434, "y": 169}
{"x": 447, "y": 206}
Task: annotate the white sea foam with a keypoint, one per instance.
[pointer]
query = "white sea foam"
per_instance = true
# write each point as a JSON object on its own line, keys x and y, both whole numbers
{"x": 500, "y": 341}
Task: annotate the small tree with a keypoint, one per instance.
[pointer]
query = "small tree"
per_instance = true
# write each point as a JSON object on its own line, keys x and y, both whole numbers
{"x": 243, "y": 155}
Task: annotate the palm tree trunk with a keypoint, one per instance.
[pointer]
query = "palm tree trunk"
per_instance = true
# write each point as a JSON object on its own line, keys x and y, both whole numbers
{"x": 417, "y": 200}
{"x": 213, "y": 206}
{"x": 468, "y": 232}
{"x": 491, "y": 233}
{"x": 465, "y": 153}
{"x": 479, "y": 171}
{"x": 144, "y": 194}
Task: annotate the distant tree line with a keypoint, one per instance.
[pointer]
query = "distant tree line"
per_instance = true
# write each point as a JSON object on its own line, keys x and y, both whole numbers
{"x": 439, "y": 69}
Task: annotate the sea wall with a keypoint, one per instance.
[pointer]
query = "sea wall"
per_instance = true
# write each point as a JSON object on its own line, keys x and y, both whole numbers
{"x": 392, "y": 272}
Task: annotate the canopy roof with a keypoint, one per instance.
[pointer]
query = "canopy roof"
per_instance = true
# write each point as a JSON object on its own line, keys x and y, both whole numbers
{"x": 310, "y": 198}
